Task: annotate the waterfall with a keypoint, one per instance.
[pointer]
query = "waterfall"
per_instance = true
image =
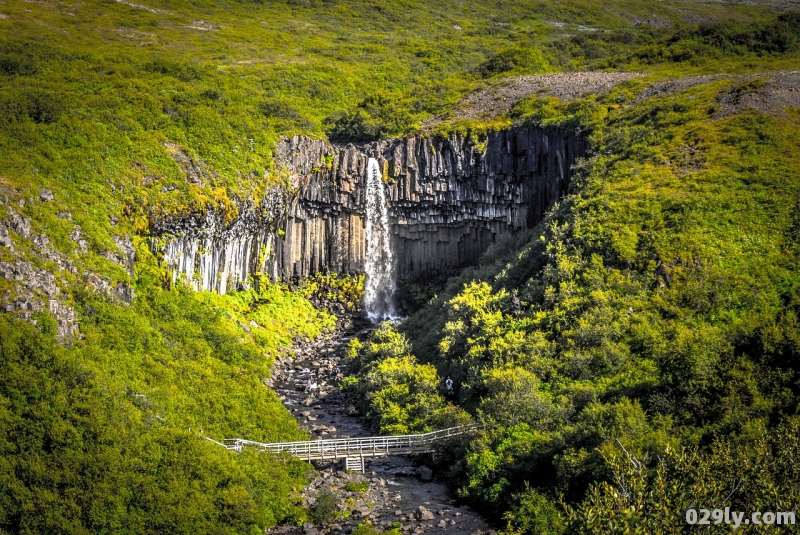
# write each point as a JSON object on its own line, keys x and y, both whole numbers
{"x": 379, "y": 265}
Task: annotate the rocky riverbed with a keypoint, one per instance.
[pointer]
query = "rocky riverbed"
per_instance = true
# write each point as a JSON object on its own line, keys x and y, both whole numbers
{"x": 392, "y": 490}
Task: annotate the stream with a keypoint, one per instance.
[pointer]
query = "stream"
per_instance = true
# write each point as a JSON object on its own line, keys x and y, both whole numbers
{"x": 398, "y": 490}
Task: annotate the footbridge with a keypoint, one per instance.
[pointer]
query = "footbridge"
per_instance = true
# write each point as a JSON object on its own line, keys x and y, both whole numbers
{"x": 352, "y": 451}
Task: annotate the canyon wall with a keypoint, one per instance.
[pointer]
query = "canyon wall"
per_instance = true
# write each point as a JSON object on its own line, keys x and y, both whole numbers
{"x": 449, "y": 199}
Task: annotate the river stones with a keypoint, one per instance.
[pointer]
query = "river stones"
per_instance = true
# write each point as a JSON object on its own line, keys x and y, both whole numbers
{"x": 423, "y": 514}
{"x": 425, "y": 473}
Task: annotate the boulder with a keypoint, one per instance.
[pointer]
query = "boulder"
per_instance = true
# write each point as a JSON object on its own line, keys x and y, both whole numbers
{"x": 423, "y": 514}
{"x": 17, "y": 223}
{"x": 5, "y": 238}
{"x": 425, "y": 473}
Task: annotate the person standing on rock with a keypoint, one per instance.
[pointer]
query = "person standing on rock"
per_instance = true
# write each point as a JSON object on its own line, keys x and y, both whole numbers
{"x": 448, "y": 383}
{"x": 311, "y": 386}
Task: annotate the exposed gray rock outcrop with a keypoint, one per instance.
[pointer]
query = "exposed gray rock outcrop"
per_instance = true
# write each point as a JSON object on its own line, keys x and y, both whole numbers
{"x": 449, "y": 199}
{"x": 17, "y": 223}
{"x": 36, "y": 290}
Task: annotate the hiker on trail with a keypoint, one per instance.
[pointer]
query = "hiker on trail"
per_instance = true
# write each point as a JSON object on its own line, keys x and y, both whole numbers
{"x": 311, "y": 386}
{"x": 449, "y": 385}
{"x": 333, "y": 373}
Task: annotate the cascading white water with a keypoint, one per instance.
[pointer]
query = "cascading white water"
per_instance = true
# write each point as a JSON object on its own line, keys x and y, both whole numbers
{"x": 379, "y": 266}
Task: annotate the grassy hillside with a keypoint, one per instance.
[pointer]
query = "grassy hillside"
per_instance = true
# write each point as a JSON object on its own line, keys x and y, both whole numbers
{"x": 106, "y": 435}
{"x": 657, "y": 305}
{"x": 646, "y": 331}
{"x": 96, "y": 96}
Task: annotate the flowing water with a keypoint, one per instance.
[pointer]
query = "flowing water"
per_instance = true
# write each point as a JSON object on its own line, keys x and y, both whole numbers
{"x": 395, "y": 490}
{"x": 396, "y": 495}
{"x": 379, "y": 266}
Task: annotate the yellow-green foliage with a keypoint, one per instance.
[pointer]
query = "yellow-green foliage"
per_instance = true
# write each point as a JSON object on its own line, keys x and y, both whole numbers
{"x": 346, "y": 290}
{"x": 352, "y": 486}
{"x": 276, "y": 314}
{"x": 514, "y": 395}
{"x": 95, "y": 97}
{"x": 400, "y": 395}
{"x": 327, "y": 507}
{"x": 110, "y": 430}
{"x": 655, "y": 308}
{"x": 366, "y": 528}
{"x": 645, "y": 497}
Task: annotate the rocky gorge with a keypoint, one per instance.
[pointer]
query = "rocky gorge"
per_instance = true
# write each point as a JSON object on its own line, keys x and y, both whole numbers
{"x": 395, "y": 494}
{"x": 449, "y": 198}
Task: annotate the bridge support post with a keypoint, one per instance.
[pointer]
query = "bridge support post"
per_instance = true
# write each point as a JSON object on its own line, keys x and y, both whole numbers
{"x": 354, "y": 464}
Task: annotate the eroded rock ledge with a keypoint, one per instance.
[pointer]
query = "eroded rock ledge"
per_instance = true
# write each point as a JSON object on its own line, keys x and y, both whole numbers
{"x": 449, "y": 200}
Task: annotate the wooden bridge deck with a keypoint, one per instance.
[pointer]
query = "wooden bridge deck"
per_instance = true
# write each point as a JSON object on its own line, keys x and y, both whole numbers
{"x": 344, "y": 448}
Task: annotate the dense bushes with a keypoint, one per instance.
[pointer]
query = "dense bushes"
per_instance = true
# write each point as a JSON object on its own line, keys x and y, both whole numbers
{"x": 22, "y": 104}
{"x": 522, "y": 59}
{"x": 775, "y": 37}
{"x": 602, "y": 49}
{"x": 652, "y": 315}
{"x": 690, "y": 44}
{"x": 399, "y": 395}
{"x": 645, "y": 495}
{"x": 655, "y": 309}
{"x": 778, "y": 36}
{"x": 376, "y": 117}
{"x": 83, "y": 455}
{"x": 108, "y": 435}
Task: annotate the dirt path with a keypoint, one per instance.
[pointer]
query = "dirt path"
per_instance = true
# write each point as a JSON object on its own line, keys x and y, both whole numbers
{"x": 396, "y": 490}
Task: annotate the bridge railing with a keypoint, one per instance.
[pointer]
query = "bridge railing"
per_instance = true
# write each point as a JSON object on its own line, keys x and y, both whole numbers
{"x": 347, "y": 447}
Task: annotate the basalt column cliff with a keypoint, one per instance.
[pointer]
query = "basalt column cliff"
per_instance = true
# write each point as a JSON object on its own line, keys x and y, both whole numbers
{"x": 449, "y": 199}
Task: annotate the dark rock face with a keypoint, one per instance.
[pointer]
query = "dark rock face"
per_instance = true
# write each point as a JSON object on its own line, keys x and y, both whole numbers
{"x": 449, "y": 199}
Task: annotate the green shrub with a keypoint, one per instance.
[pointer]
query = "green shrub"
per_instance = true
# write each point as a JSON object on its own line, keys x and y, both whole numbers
{"x": 72, "y": 432}
{"x": 653, "y": 495}
{"x": 378, "y": 116}
{"x": 353, "y": 486}
{"x": 17, "y": 65}
{"x": 279, "y": 110}
{"x": 366, "y": 528}
{"x": 326, "y": 508}
{"x": 519, "y": 59}
{"x": 777, "y": 36}
{"x": 535, "y": 512}
{"x": 397, "y": 393}
{"x": 613, "y": 324}
{"x": 176, "y": 69}
{"x": 42, "y": 107}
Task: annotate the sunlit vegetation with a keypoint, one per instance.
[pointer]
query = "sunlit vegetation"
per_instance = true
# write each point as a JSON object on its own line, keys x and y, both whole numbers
{"x": 643, "y": 340}
{"x": 95, "y": 96}
{"x": 344, "y": 290}
{"x": 399, "y": 395}
{"x": 108, "y": 433}
{"x": 647, "y": 330}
